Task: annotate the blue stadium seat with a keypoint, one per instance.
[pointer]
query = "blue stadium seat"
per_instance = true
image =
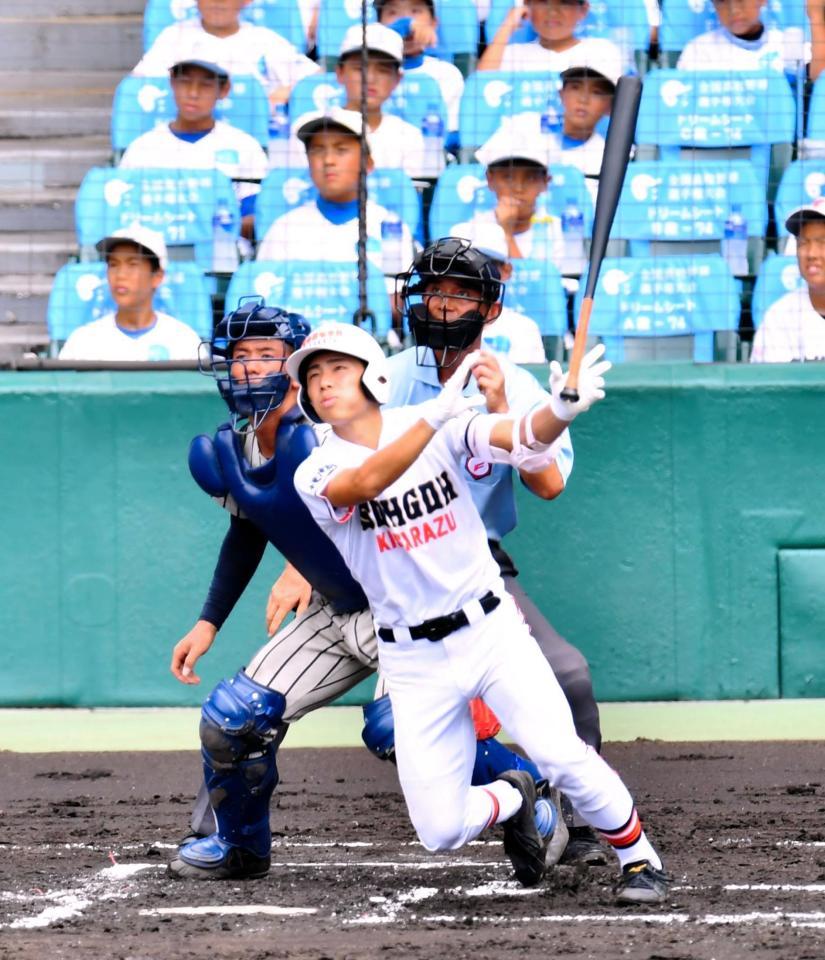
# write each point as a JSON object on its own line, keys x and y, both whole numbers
{"x": 462, "y": 189}
{"x": 670, "y": 207}
{"x": 282, "y": 16}
{"x": 321, "y": 290}
{"x": 180, "y": 204}
{"x": 778, "y": 276}
{"x": 282, "y": 190}
{"x": 141, "y": 103}
{"x": 535, "y": 289}
{"x": 814, "y": 143}
{"x": 457, "y": 28}
{"x": 410, "y": 100}
{"x": 802, "y": 182}
{"x": 664, "y": 308}
{"x": 335, "y": 17}
{"x": 491, "y": 95}
{"x": 81, "y": 294}
{"x": 718, "y": 115}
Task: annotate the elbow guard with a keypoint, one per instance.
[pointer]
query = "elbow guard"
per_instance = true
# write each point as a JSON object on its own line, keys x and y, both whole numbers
{"x": 379, "y": 728}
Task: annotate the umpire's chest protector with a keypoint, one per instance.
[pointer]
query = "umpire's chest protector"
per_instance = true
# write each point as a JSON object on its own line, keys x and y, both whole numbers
{"x": 267, "y": 497}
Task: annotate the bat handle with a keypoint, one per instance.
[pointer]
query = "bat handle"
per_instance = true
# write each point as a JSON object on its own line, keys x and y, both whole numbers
{"x": 570, "y": 393}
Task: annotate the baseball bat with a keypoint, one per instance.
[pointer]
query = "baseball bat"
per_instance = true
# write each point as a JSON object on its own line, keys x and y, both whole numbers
{"x": 611, "y": 177}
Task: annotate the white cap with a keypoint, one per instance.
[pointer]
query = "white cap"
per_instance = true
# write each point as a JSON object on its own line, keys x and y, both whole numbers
{"x": 487, "y": 238}
{"x": 815, "y": 210}
{"x": 351, "y": 341}
{"x": 150, "y": 240}
{"x": 506, "y": 144}
{"x": 331, "y": 119}
{"x": 604, "y": 62}
{"x": 380, "y": 39}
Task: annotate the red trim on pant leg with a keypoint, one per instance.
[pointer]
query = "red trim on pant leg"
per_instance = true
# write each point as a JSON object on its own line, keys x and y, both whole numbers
{"x": 626, "y": 835}
{"x": 496, "y": 807}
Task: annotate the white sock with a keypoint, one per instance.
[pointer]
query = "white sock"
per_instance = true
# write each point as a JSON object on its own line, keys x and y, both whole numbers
{"x": 505, "y": 800}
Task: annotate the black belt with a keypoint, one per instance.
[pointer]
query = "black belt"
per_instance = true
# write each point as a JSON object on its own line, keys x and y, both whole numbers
{"x": 439, "y": 627}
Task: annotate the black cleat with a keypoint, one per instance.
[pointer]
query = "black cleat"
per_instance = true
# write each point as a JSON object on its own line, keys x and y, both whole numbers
{"x": 583, "y": 848}
{"x": 523, "y": 843}
{"x": 642, "y": 883}
{"x": 211, "y": 858}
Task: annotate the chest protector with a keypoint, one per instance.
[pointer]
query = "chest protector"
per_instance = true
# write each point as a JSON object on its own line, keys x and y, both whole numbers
{"x": 267, "y": 497}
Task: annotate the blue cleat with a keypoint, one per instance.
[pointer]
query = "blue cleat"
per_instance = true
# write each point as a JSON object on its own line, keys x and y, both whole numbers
{"x": 211, "y": 858}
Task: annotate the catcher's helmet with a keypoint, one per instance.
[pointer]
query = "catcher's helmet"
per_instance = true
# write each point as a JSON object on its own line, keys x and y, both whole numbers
{"x": 251, "y": 398}
{"x": 457, "y": 259}
{"x": 353, "y": 342}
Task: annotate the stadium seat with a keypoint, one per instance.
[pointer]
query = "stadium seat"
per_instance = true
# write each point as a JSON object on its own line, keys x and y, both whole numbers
{"x": 282, "y": 16}
{"x": 81, "y": 294}
{"x": 180, "y": 204}
{"x": 535, "y": 289}
{"x": 491, "y": 95}
{"x": 141, "y": 103}
{"x": 813, "y": 146}
{"x": 411, "y": 100}
{"x": 718, "y": 115}
{"x": 321, "y": 290}
{"x": 778, "y": 276}
{"x": 802, "y": 182}
{"x": 679, "y": 308}
{"x": 335, "y": 17}
{"x": 457, "y": 33}
{"x": 681, "y": 207}
{"x": 462, "y": 190}
{"x": 282, "y": 190}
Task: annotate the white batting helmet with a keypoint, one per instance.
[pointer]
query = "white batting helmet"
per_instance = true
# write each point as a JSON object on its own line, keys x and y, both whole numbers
{"x": 352, "y": 341}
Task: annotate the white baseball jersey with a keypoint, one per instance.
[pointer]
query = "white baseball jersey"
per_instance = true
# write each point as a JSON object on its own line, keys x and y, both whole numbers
{"x": 516, "y": 336}
{"x": 306, "y": 234}
{"x": 520, "y": 57}
{"x": 791, "y": 330}
{"x": 396, "y": 144}
{"x": 103, "y": 339}
{"x": 253, "y": 50}
{"x": 225, "y": 148}
{"x": 540, "y": 241}
{"x": 720, "y": 50}
{"x": 420, "y": 549}
{"x": 449, "y": 79}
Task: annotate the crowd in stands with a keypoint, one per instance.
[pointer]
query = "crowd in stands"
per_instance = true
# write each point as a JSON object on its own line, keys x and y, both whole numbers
{"x": 501, "y": 144}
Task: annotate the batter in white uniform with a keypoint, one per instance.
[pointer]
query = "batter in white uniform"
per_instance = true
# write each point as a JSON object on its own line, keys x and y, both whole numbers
{"x": 388, "y": 489}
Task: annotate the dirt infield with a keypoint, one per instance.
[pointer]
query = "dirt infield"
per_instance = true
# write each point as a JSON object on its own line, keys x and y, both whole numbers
{"x": 84, "y": 839}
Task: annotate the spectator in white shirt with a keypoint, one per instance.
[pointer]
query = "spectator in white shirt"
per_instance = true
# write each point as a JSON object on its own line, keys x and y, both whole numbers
{"x": 517, "y": 173}
{"x": 326, "y": 228}
{"x": 218, "y": 35}
{"x": 793, "y": 328}
{"x": 135, "y": 266}
{"x": 514, "y": 334}
{"x": 195, "y": 140}
{"x": 415, "y": 21}
{"x": 555, "y": 22}
{"x": 394, "y": 143}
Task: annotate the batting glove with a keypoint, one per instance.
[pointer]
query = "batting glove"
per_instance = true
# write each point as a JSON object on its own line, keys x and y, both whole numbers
{"x": 591, "y": 385}
{"x": 451, "y": 402}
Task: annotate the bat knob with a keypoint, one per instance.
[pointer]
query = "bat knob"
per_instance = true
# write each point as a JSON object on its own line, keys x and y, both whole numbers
{"x": 570, "y": 394}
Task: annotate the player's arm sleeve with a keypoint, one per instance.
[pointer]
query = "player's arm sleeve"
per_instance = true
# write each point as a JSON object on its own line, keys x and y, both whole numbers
{"x": 312, "y": 478}
{"x": 160, "y": 56}
{"x": 241, "y": 552}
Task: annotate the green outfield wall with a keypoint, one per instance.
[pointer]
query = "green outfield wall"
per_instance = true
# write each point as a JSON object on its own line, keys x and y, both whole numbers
{"x": 686, "y": 558}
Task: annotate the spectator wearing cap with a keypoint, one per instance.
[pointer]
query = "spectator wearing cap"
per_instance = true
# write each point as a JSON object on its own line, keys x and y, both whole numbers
{"x": 135, "y": 266}
{"x": 326, "y": 228}
{"x": 195, "y": 140}
{"x": 555, "y": 22}
{"x": 513, "y": 334}
{"x": 217, "y": 35}
{"x": 394, "y": 143}
{"x": 517, "y": 173}
{"x": 415, "y": 21}
{"x": 793, "y": 328}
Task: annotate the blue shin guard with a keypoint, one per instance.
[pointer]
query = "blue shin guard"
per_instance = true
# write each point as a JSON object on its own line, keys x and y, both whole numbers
{"x": 493, "y": 759}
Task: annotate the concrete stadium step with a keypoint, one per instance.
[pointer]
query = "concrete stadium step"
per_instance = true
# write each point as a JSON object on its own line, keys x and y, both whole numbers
{"x": 51, "y": 162}
{"x": 31, "y": 123}
{"x": 39, "y": 253}
{"x": 27, "y": 9}
{"x": 34, "y": 210}
{"x": 17, "y": 82}
{"x": 65, "y": 43}
{"x": 23, "y": 300}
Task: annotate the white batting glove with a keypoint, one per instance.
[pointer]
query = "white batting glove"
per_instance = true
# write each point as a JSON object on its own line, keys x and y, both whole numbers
{"x": 591, "y": 385}
{"x": 451, "y": 402}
